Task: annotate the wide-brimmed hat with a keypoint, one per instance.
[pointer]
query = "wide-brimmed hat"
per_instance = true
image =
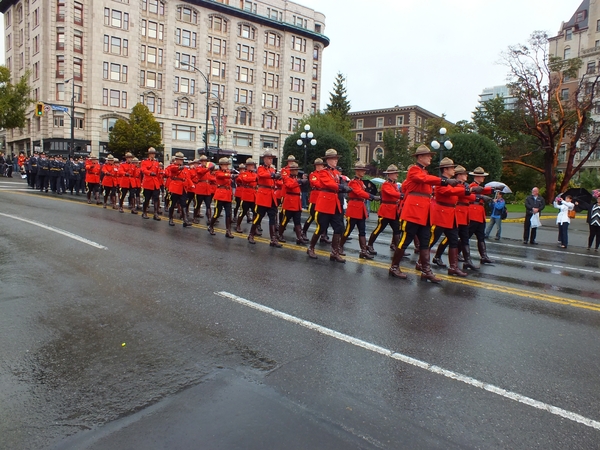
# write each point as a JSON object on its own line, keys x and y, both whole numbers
{"x": 293, "y": 166}
{"x": 203, "y": 158}
{"x": 291, "y": 158}
{"x": 269, "y": 154}
{"x": 331, "y": 153}
{"x": 242, "y": 166}
{"x": 110, "y": 158}
{"x": 459, "y": 169}
{"x": 391, "y": 169}
{"x": 151, "y": 150}
{"x": 136, "y": 160}
{"x": 179, "y": 155}
{"x": 224, "y": 162}
{"x": 128, "y": 155}
{"x": 250, "y": 161}
{"x": 423, "y": 150}
{"x": 445, "y": 163}
{"x": 318, "y": 162}
{"x": 91, "y": 156}
{"x": 479, "y": 172}
{"x": 360, "y": 166}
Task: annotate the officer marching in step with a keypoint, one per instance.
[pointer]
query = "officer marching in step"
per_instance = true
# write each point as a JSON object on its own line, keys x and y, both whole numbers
{"x": 477, "y": 213}
{"x": 329, "y": 206}
{"x": 110, "y": 181}
{"x": 54, "y": 166}
{"x": 73, "y": 175}
{"x": 292, "y": 203}
{"x": 389, "y": 210}
{"x": 443, "y": 215}
{"x": 92, "y": 179}
{"x": 313, "y": 179}
{"x": 32, "y": 171}
{"x": 266, "y": 202}
{"x": 223, "y": 196}
{"x": 239, "y": 190}
{"x": 415, "y": 213}
{"x": 356, "y": 212}
{"x": 280, "y": 187}
{"x": 247, "y": 180}
{"x": 151, "y": 183}
{"x": 179, "y": 182}
{"x": 204, "y": 194}
{"x": 127, "y": 172}
{"x": 43, "y": 173}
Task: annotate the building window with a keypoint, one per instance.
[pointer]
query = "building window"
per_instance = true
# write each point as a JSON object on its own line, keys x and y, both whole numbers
{"x": 379, "y": 136}
{"x": 296, "y": 104}
{"x": 187, "y": 14}
{"x": 272, "y": 39}
{"x": 218, "y": 90}
{"x": 36, "y": 69}
{"x": 568, "y": 34}
{"x": 60, "y": 66}
{"x": 591, "y": 67}
{"x": 298, "y": 44}
{"x": 271, "y": 80}
{"x": 564, "y": 94}
{"x": 217, "y": 69}
{"x": 245, "y": 52}
{"x": 249, "y": 6}
{"x": 359, "y": 123}
{"x": 242, "y": 139}
{"x": 359, "y": 137}
{"x": 78, "y": 93}
{"x": 60, "y": 92}
{"x": 380, "y": 122}
{"x": 298, "y": 64}
{"x": 269, "y": 121}
{"x": 153, "y": 7}
{"x": 79, "y": 119}
{"x": 271, "y": 59}
{"x": 399, "y": 120}
{"x": 244, "y": 74}
{"x": 218, "y": 24}
{"x": 378, "y": 154}
{"x": 567, "y": 53}
{"x": 296, "y": 84}
{"x": 7, "y": 19}
{"x": 78, "y": 41}
{"x": 59, "y": 118}
{"x": 274, "y": 14}
{"x": 185, "y": 37}
{"x": 36, "y": 17}
{"x": 316, "y": 51}
{"x": 78, "y": 69}
{"x": 246, "y": 31}
{"x": 78, "y": 13}
{"x": 580, "y": 16}
{"x": 217, "y": 46}
{"x": 184, "y": 133}
{"x": 315, "y": 72}
{"x": 243, "y": 96}
{"x": 270, "y": 101}
{"x": 243, "y": 117}
{"x": 293, "y": 124}
{"x": 184, "y": 61}
{"x": 108, "y": 124}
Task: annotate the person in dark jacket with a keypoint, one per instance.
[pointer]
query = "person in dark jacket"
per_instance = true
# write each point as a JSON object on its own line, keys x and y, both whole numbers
{"x": 533, "y": 204}
{"x": 593, "y": 218}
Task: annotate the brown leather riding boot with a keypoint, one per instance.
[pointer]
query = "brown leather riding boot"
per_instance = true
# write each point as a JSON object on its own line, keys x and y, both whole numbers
{"x": 145, "y": 212}
{"x": 228, "y": 227}
{"x": 335, "y": 249}
{"x": 211, "y": 226}
{"x": 310, "y": 251}
{"x": 370, "y": 248}
{"x": 453, "y": 258}
{"x": 417, "y": 245}
{"x": 238, "y": 225}
{"x": 437, "y": 259}
{"x": 280, "y": 237}
{"x": 252, "y": 234}
{"x": 426, "y": 273}
{"x": 156, "y": 216}
{"x": 171, "y": 223}
{"x": 468, "y": 264}
{"x": 395, "y": 268}
{"x": 325, "y": 239}
{"x": 483, "y": 253}
{"x": 341, "y": 248}
{"x": 299, "y": 238}
{"x": 364, "y": 253}
{"x": 274, "y": 235}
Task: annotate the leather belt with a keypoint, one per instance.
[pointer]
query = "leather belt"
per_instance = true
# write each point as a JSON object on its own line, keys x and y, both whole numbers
{"x": 356, "y": 200}
{"x": 386, "y": 202}
{"x": 329, "y": 190}
{"x": 223, "y": 186}
{"x": 462, "y": 204}
{"x": 419, "y": 194}
{"x": 265, "y": 186}
{"x": 449, "y": 205}
{"x": 177, "y": 179}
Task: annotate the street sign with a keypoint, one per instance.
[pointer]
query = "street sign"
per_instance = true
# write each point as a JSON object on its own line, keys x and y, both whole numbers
{"x": 59, "y": 108}
{"x": 46, "y": 109}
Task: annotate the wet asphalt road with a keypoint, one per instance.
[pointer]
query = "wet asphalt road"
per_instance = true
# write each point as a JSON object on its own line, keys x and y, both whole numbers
{"x": 199, "y": 370}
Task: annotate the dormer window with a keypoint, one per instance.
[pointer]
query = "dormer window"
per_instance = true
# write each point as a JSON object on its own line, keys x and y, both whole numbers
{"x": 580, "y": 16}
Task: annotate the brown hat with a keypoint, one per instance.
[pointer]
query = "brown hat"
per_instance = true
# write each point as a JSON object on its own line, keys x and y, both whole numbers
{"x": 446, "y": 162}
{"x": 91, "y": 156}
{"x": 459, "y": 169}
{"x": 293, "y": 166}
{"x": 269, "y": 154}
{"x": 224, "y": 162}
{"x": 196, "y": 161}
{"x": 318, "y": 162}
{"x": 136, "y": 160}
{"x": 331, "y": 153}
{"x": 391, "y": 169}
{"x": 423, "y": 150}
{"x": 151, "y": 150}
{"x": 203, "y": 158}
{"x": 242, "y": 166}
{"x": 179, "y": 155}
{"x": 360, "y": 166}
{"x": 250, "y": 161}
{"x": 291, "y": 158}
{"x": 479, "y": 172}
{"x": 128, "y": 155}
{"x": 110, "y": 158}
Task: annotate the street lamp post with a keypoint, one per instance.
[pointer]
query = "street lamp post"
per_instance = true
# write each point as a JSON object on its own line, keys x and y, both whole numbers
{"x": 72, "y": 144}
{"x": 306, "y": 137}
{"x": 218, "y": 124}
{"x": 445, "y": 143}
{"x": 207, "y": 90}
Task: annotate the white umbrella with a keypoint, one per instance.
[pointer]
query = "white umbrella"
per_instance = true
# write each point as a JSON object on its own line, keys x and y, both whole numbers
{"x": 499, "y": 186}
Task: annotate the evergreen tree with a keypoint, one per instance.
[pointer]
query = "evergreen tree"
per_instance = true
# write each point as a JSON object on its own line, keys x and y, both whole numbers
{"x": 395, "y": 145}
{"x": 338, "y": 100}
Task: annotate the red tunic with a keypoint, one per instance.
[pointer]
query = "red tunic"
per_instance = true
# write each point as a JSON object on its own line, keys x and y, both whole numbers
{"x": 477, "y": 210}
{"x": 178, "y": 179}
{"x": 223, "y": 192}
{"x": 239, "y": 186}
{"x": 292, "y": 200}
{"x": 314, "y": 186}
{"x": 328, "y": 201}
{"x": 127, "y": 172}
{"x": 92, "y": 171}
{"x": 390, "y": 201}
{"x": 151, "y": 171}
{"x": 443, "y": 212}
{"x": 111, "y": 175}
{"x": 265, "y": 194}
{"x": 248, "y": 180}
{"x": 417, "y": 195}
{"x": 356, "y": 200}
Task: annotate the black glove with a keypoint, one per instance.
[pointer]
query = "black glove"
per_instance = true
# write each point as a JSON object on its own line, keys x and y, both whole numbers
{"x": 344, "y": 189}
{"x": 376, "y": 198}
{"x": 484, "y": 197}
{"x": 477, "y": 189}
{"x": 152, "y": 174}
{"x": 449, "y": 182}
{"x": 276, "y": 176}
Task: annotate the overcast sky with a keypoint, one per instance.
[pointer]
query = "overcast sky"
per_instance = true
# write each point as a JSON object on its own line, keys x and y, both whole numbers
{"x": 438, "y": 54}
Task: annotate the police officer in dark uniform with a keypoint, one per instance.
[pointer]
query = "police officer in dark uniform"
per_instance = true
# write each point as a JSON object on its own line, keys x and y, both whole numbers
{"x": 32, "y": 170}
{"x": 80, "y": 186}
{"x": 54, "y": 174}
{"x": 43, "y": 173}
{"x": 73, "y": 174}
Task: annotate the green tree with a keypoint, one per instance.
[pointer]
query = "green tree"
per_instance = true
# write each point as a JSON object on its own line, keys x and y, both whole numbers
{"x": 14, "y": 100}
{"x": 338, "y": 100}
{"x": 588, "y": 179}
{"x": 473, "y": 150}
{"x": 395, "y": 146}
{"x": 135, "y": 135}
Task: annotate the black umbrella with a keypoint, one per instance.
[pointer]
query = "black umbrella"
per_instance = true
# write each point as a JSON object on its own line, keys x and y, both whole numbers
{"x": 578, "y": 195}
{"x": 370, "y": 187}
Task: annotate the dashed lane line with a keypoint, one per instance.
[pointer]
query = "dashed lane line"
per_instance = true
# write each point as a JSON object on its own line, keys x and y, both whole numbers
{"x": 569, "y": 415}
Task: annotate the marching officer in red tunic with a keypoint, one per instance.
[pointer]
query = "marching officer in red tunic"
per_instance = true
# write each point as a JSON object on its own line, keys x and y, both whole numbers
{"x": 356, "y": 212}
{"x": 239, "y": 190}
{"x": 223, "y": 197}
{"x": 389, "y": 209}
{"x": 314, "y": 195}
{"x": 110, "y": 180}
{"x": 266, "y": 202}
{"x": 127, "y": 171}
{"x": 203, "y": 188}
{"x": 329, "y": 206}
{"x": 415, "y": 213}
{"x": 92, "y": 178}
{"x": 179, "y": 182}
{"x": 151, "y": 183}
{"x": 248, "y": 180}
{"x": 477, "y": 214}
{"x": 292, "y": 203}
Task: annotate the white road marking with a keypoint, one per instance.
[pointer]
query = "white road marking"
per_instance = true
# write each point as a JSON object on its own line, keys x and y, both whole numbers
{"x": 57, "y": 230}
{"x": 536, "y": 263}
{"x": 536, "y": 247}
{"x": 415, "y": 362}
{"x": 12, "y": 189}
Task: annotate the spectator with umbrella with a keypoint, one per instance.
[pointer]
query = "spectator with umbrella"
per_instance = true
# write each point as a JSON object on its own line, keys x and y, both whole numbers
{"x": 563, "y": 220}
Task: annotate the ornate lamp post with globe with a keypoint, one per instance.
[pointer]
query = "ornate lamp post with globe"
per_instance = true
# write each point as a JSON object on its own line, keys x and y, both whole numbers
{"x": 306, "y": 138}
{"x": 445, "y": 143}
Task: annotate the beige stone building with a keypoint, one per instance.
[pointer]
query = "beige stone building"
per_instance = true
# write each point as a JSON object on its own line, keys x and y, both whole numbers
{"x": 262, "y": 60}
{"x": 579, "y": 37}
{"x": 368, "y": 128}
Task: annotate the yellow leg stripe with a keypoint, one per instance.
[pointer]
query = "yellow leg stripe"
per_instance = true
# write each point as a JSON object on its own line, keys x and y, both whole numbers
{"x": 318, "y": 230}
{"x": 403, "y": 238}
{"x": 216, "y": 213}
{"x": 377, "y": 229}
{"x": 347, "y": 232}
{"x": 432, "y": 234}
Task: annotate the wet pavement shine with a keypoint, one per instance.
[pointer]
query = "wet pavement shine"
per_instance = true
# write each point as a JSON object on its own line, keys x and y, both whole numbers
{"x": 122, "y": 333}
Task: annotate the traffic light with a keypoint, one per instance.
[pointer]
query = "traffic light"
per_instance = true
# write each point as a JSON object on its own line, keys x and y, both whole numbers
{"x": 39, "y": 109}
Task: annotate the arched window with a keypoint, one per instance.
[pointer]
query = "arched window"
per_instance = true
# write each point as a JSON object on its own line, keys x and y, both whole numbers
{"x": 567, "y": 53}
{"x": 243, "y": 116}
{"x": 246, "y": 31}
{"x": 378, "y": 154}
{"x": 218, "y": 24}
{"x": 187, "y": 14}
{"x": 269, "y": 120}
